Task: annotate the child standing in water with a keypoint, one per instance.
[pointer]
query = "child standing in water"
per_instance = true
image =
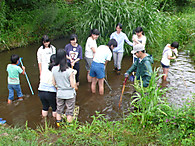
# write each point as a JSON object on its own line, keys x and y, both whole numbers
{"x": 64, "y": 80}
{"x": 13, "y": 78}
{"x": 167, "y": 56}
{"x": 74, "y": 55}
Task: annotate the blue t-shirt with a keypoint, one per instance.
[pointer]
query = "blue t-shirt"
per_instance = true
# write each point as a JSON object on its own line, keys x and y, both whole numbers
{"x": 13, "y": 73}
{"x": 73, "y": 52}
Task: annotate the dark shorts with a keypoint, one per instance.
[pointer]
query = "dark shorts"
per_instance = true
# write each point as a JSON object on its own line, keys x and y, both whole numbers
{"x": 97, "y": 70}
{"x": 48, "y": 99}
{"x": 77, "y": 68}
{"x": 164, "y": 66}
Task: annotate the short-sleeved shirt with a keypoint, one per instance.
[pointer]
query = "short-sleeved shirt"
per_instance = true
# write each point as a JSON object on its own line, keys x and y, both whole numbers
{"x": 90, "y": 44}
{"x": 142, "y": 40}
{"x": 43, "y": 56}
{"x": 62, "y": 79}
{"x": 73, "y": 52}
{"x": 46, "y": 83}
{"x": 166, "y": 52}
{"x": 13, "y": 74}
{"x": 102, "y": 54}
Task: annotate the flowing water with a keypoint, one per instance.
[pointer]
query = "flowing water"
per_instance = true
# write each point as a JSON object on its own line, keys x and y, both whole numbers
{"x": 181, "y": 79}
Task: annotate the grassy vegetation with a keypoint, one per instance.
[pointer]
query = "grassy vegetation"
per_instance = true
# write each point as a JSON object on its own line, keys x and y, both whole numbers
{"x": 23, "y": 22}
{"x": 153, "y": 122}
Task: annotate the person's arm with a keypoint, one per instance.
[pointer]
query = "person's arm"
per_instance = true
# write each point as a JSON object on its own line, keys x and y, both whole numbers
{"x": 23, "y": 68}
{"x": 73, "y": 63}
{"x": 69, "y": 58}
{"x": 169, "y": 57}
{"x": 40, "y": 68}
{"x": 127, "y": 41}
{"x": 79, "y": 56}
{"x": 133, "y": 68}
{"x": 67, "y": 53}
{"x": 53, "y": 81}
{"x": 72, "y": 81}
{"x": 39, "y": 59}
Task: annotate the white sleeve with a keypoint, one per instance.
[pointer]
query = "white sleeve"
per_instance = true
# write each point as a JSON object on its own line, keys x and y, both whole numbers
{"x": 92, "y": 44}
{"x": 39, "y": 56}
{"x": 53, "y": 49}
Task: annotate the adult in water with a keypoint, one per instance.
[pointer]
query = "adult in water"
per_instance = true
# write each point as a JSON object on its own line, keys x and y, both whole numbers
{"x": 142, "y": 66}
{"x": 101, "y": 58}
{"x": 120, "y": 37}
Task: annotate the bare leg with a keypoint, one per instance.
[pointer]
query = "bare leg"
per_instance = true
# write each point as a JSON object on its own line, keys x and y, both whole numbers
{"x": 93, "y": 84}
{"x": 101, "y": 86}
{"x": 44, "y": 113}
{"x": 165, "y": 72}
{"x": 89, "y": 78}
{"x": 54, "y": 114}
{"x": 58, "y": 117}
{"x": 69, "y": 118}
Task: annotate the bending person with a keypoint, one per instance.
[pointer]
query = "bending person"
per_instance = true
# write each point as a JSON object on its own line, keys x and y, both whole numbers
{"x": 167, "y": 56}
{"x": 142, "y": 66}
{"x": 97, "y": 71}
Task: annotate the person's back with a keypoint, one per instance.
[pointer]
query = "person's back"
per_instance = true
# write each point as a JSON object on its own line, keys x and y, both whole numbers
{"x": 13, "y": 73}
{"x": 13, "y": 78}
{"x": 62, "y": 80}
{"x": 102, "y": 54}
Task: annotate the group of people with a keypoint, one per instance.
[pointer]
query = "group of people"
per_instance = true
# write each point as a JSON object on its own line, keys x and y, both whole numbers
{"x": 59, "y": 69}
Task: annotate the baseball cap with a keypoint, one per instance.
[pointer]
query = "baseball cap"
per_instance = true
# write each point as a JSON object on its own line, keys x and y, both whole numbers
{"x": 138, "y": 47}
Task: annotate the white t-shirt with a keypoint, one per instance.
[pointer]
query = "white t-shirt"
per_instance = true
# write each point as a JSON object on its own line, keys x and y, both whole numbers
{"x": 43, "y": 56}
{"x": 142, "y": 40}
{"x": 102, "y": 54}
{"x": 166, "y": 52}
{"x": 90, "y": 44}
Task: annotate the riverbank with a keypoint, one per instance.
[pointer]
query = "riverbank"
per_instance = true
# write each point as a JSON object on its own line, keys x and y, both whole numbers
{"x": 25, "y": 24}
{"x": 155, "y": 123}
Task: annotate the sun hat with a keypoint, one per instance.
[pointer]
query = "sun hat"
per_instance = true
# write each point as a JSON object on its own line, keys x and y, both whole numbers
{"x": 138, "y": 47}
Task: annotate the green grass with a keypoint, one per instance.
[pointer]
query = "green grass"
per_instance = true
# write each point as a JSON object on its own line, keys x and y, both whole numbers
{"x": 162, "y": 21}
{"x": 154, "y": 123}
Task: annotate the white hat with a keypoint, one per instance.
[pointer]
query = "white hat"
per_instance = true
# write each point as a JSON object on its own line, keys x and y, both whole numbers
{"x": 138, "y": 47}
